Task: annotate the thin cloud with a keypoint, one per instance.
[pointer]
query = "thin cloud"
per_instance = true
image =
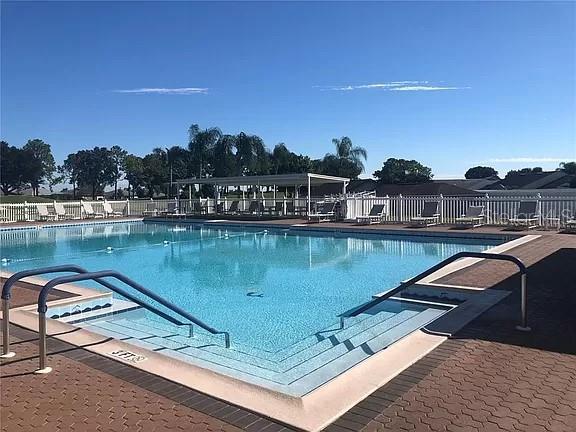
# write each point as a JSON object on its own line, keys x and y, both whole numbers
{"x": 393, "y": 86}
{"x": 426, "y": 88}
{"x": 529, "y": 160}
{"x": 166, "y": 91}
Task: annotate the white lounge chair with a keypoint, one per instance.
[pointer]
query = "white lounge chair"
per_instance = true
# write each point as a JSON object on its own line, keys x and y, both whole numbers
{"x": 526, "y": 217}
{"x": 570, "y": 225}
{"x": 89, "y": 212}
{"x": 110, "y": 212}
{"x": 325, "y": 213}
{"x": 61, "y": 213}
{"x": 474, "y": 217}
{"x": 428, "y": 216}
{"x": 44, "y": 214}
{"x": 375, "y": 216}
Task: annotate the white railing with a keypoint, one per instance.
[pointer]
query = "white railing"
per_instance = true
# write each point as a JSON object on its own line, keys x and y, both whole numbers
{"x": 398, "y": 209}
{"x": 498, "y": 209}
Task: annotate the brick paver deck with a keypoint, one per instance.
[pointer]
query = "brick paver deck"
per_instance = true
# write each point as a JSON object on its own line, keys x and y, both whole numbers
{"x": 489, "y": 377}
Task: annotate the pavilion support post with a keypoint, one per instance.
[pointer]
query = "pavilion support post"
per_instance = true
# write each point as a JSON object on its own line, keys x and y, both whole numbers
{"x": 309, "y": 197}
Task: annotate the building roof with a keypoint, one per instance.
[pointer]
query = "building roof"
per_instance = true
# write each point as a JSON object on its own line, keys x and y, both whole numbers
{"x": 267, "y": 180}
{"x": 536, "y": 180}
{"x": 428, "y": 188}
{"x": 473, "y": 184}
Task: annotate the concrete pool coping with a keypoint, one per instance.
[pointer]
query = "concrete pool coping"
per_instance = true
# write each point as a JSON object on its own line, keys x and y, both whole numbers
{"x": 332, "y": 399}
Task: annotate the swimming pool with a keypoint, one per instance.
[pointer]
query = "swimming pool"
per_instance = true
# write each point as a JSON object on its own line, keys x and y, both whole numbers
{"x": 268, "y": 288}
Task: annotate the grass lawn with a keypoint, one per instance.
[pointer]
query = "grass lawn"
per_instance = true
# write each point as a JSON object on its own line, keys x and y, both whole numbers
{"x": 18, "y": 199}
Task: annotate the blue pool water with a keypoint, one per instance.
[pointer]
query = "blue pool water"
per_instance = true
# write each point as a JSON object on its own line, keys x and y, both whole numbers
{"x": 269, "y": 289}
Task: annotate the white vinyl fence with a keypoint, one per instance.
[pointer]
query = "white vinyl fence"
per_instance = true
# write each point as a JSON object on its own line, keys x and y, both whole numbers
{"x": 498, "y": 209}
{"x": 399, "y": 209}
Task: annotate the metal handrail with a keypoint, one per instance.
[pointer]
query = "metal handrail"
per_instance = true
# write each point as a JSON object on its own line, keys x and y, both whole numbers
{"x": 484, "y": 255}
{"x": 69, "y": 268}
{"x": 7, "y": 294}
{"x": 42, "y": 306}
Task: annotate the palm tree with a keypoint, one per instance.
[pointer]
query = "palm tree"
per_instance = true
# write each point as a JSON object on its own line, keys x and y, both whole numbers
{"x": 345, "y": 150}
{"x": 201, "y": 144}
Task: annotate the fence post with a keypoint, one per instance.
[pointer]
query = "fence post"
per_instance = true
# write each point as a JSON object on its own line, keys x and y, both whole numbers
{"x": 488, "y": 209}
{"x": 442, "y": 209}
{"x": 128, "y": 213}
{"x": 400, "y": 208}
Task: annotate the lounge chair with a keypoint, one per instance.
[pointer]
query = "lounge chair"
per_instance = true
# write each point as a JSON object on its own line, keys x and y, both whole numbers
{"x": 61, "y": 213}
{"x": 233, "y": 209}
{"x": 527, "y": 216}
{"x": 375, "y": 216}
{"x": 44, "y": 214}
{"x": 278, "y": 208}
{"x": 294, "y": 210}
{"x": 255, "y": 207}
{"x": 89, "y": 212}
{"x": 429, "y": 215}
{"x": 151, "y": 210}
{"x": 570, "y": 225}
{"x": 473, "y": 218}
{"x": 110, "y": 212}
{"x": 172, "y": 210}
{"x": 197, "y": 208}
{"x": 326, "y": 212}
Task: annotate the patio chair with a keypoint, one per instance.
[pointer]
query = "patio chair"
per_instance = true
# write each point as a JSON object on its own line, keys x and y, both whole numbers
{"x": 375, "y": 216}
{"x": 255, "y": 207}
{"x": 89, "y": 212}
{"x": 233, "y": 209}
{"x": 44, "y": 214}
{"x": 278, "y": 209}
{"x": 326, "y": 212}
{"x": 110, "y": 212}
{"x": 570, "y": 225}
{"x": 151, "y": 210}
{"x": 474, "y": 217}
{"x": 61, "y": 213}
{"x": 527, "y": 216}
{"x": 198, "y": 208}
{"x": 172, "y": 210}
{"x": 429, "y": 215}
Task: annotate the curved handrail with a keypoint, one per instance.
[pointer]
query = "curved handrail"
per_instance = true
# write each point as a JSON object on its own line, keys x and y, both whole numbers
{"x": 441, "y": 264}
{"x": 42, "y": 298}
{"x": 7, "y": 294}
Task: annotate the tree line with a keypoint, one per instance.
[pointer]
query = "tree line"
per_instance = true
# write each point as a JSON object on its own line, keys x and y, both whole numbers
{"x": 209, "y": 153}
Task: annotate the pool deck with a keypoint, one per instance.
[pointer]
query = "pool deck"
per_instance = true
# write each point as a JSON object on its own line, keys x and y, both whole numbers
{"x": 487, "y": 377}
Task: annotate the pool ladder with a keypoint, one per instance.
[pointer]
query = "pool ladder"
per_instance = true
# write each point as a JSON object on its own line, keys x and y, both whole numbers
{"x": 84, "y": 275}
{"x": 523, "y": 326}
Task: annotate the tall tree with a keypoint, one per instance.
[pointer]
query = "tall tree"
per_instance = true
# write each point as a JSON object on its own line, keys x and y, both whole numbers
{"x": 70, "y": 171}
{"x": 12, "y": 168}
{"x": 134, "y": 172}
{"x": 118, "y": 155}
{"x": 201, "y": 144}
{"x": 480, "y": 172}
{"x": 251, "y": 155}
{"x": 345, "y": 150}
{"x": 45, "y": 165}
{"x": 568, "y": 167}
{"x": 155, "y": 171}
{"x": 397, "y": 171}
{"x": 224, "y": 157}
{"x": 95, "y": 169}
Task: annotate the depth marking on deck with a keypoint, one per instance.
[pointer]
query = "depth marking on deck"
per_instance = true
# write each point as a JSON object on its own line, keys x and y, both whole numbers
{"x": 128, "y": 356}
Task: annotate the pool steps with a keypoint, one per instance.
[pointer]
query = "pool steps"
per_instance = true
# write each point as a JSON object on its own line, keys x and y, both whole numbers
{"x": 297, "y": 369}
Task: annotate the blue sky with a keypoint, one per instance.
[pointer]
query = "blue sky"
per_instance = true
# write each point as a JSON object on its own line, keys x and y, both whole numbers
{"x": 451, "y": 84}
